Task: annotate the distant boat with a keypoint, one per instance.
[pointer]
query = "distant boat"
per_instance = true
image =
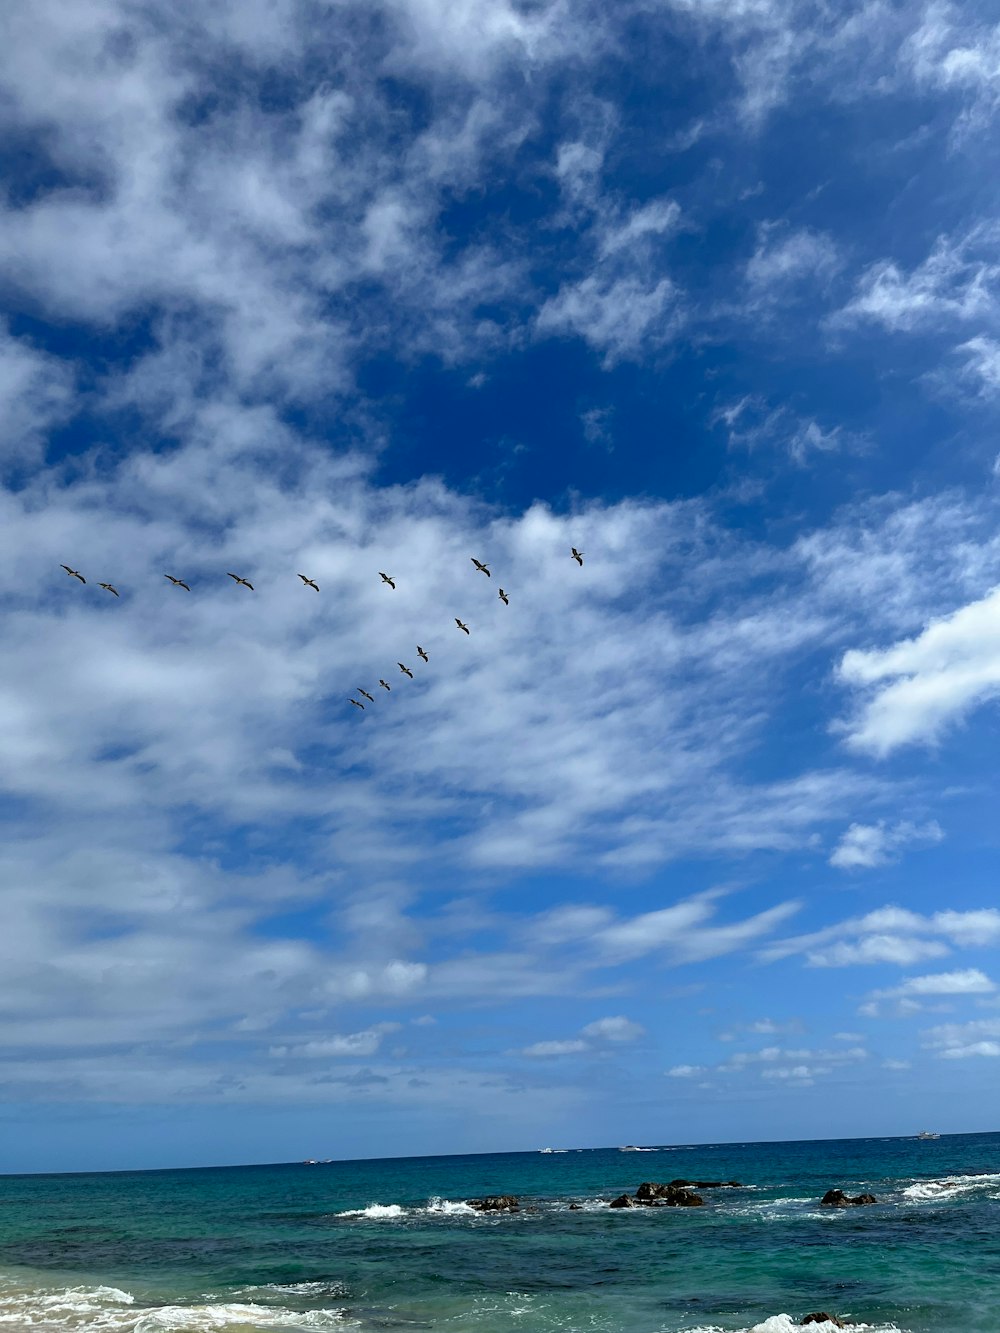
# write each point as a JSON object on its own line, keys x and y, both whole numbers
{"x": 926, "y": 1134}
{"x": 546, "y": 1149}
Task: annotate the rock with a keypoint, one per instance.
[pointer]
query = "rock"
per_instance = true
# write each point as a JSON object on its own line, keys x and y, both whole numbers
{"x": 575, "y": 1207}
{"x": 707, "y": 1184}
{"x": 820, "y": 1317}
{"x": 495, "y": 1203}
{"x": 652, "y": 1195}
{"x": 649, "y": 1190}
{"x": 680, "y": 1184}
{"x": 623, "y": 1201}
{"x": 838, "y": 1199}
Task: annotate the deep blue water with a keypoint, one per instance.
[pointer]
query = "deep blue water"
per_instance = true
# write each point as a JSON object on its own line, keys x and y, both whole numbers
{"x": 390, "y": 1244}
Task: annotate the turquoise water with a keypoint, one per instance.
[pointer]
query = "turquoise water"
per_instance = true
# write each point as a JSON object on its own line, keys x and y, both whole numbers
{"x": 391, "y": 1245}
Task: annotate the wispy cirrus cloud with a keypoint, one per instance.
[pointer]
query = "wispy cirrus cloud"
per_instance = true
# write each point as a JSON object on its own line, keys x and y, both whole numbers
{"x": 864, "y": 846}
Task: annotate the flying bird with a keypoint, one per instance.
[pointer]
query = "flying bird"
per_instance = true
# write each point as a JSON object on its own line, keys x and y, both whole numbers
{"x": 383, "y": 683}
{"x": 386, "y": 579}
{"x": 357, "y": 705}
{"x": 405, "y": 670}
{"x": 243, "y": 581}
{"x": 421, "y": 653}
{"x": 73, "y": 573}
{"x": 110, "y": 588}
{"x": 480, "y": 566}
{"x": 368, "y": 696}
{"x": 178, "y": 583}
{"x": 577, "y": 555}
{"x": 504, "y": 598}
{"x": 460, "y": 625}
{"x": 310, "y": 583}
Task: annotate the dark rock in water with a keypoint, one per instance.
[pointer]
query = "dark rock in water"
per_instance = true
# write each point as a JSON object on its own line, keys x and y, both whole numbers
{"x": 575, "y": 1207}
{"x": 838, "y": 1199}
{"x": 495, "y": 1203}
{"x": 707, "y": 1184}
{"x": 680, "y": 1184}
{"x": 819, "y": 1317}
{"x": 651, "y": 1194}
{"x": 623, "y": 1201}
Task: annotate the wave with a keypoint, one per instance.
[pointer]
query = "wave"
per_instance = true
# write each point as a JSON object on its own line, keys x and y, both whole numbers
{"x": 449, "y": 1208}
{"x": 947, "y": 1187}
{"x": 783, "y": 1323}
{"x": 111, "y": 1310}
{"x": 382, "y": 1211}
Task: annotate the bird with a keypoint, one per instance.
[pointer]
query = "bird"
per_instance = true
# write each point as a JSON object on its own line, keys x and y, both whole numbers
{"x": 405, "y": 670}
{"x": 460, "y": 625}
{"x": 421, "y": 653}
{"x": 357, "y": 705}
{"x": 243, "y": 581}
{"x": 368, "y": 696}
{"x": 577, "y": 555}
{"x": 178, "y": 583}
{"x": 110, "y": 588}
{"x": 504, "y": 598}
{"x": 310, "y": 583}
{"x": 480, "y": 566}
{"x": 73, "y": 573}
{"x": 384, "y": 684}
{"x": 386, "y": 579}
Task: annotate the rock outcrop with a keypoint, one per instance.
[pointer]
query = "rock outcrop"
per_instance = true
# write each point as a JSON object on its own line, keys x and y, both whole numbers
{"x": 495, "y": 1203}
{"x": 820, "y": 1317}
{"x": 708, "y": 1184}
{"x": 623, "y": 1201}
{"x": 838, "y": 1199}
{"x": 650, "y": 1194}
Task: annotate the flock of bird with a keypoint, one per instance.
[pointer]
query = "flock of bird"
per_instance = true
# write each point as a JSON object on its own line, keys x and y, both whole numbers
{"x": 311, "y": 583}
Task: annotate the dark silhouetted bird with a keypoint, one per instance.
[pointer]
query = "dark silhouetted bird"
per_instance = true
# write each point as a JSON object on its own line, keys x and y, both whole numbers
{"x": 504, "y": 598}
{"x": 480, "y": 566}
{"x": 385, "y": 685}
{"x": 244, "y": 582}
{"x": 178, "y": 583}
{"x": 460, "y": 625}
{"x": 310, "y": 583}
{"x": 421, "y": 653}
{"x": 73, "y": 573}
{"x": 358, "y": 705}
{"x": 386, "y": 579}
{"x": 405, "y": 670}
{"x": 110, "y": 587}
{"x": 577, "y": 555}
{"x": 369, "y": 697}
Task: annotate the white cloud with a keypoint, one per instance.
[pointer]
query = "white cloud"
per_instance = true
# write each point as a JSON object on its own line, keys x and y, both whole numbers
{"x": 864, "y": 846}
{"x": 788, "y": 262}
{"x": 961, "y": 1041}
{"x": 890, "y": 934}
{"x": 548, "y": 1048}
{"x": 752, "y": 424}
{"x": 685, "y": 1071}
{"x": 918, "y": 687}
{"x": 965, "y": 981}
{"x": 351, "y": 1044}
{"x": 616, "y": 1029}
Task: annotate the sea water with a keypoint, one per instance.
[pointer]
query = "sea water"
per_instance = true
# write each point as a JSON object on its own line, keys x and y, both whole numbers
{"x": 393, "y": 1244}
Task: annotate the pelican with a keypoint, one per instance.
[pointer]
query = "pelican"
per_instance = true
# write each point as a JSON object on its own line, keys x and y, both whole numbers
{"x": 239, "y": 580}
{"x": 480, "y": 566}
{"x": 405, "y": 670}
{"x": 504, "y": 598}
{"x": 310, "y": 583}
{"x": 369, "y": 697}
{"x": 110, "y": 587}
{"x": 460, "y": 625}
{"x": 73, "y": 573}
{"x": 357, "y": 705}
{"x": 577, "y": 555}
{"x": 178, "y": 583}
{"x": 421, "y": 653}
{"x": 384, "y": 684}
{"x": 386, "y": 579}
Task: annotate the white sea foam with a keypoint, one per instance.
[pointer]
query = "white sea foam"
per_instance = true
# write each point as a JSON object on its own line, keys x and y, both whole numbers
{"x": 783, "y": 1323}
{"x": 449, "y": 1207}
{"x": 381, "y": 1211}
{"x": 111, "y": 1310}
{"x": 950, "y": 1186}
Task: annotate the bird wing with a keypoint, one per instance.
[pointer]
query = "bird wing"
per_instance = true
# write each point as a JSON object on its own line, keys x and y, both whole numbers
{"x": 67, "y": 569}
{"x": 184, "y": 585}
{"x": 249, "y": 585}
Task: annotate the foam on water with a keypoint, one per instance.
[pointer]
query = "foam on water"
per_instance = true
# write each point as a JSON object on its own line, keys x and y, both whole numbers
{"x": 783, "y": 1323}
{"x": 950, "y": 1186}
{"x": 381, "y": 1211}
{"x": 449, "y": 1207}
{"x": 44, "y": 1310}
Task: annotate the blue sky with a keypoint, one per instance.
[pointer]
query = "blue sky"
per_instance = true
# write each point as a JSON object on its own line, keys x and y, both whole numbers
{"x": 695, "y": 842}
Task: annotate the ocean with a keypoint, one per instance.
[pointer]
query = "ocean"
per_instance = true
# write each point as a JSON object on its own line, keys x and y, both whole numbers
{"x": 392, "y": 1244}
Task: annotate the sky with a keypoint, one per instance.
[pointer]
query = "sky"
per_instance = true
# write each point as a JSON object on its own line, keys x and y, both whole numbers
{"x": 694, "y": 842}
